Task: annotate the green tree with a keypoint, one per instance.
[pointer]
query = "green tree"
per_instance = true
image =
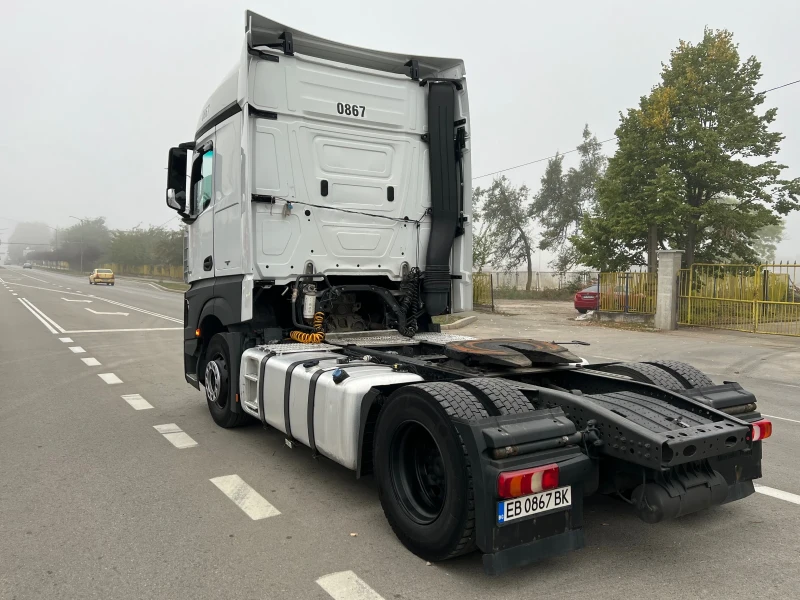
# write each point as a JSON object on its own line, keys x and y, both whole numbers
{"x": 766, "y": 241}
{"x": 564, "y": 198}
{"x": 31, "y": 237}
{"x": 507, "y": 213}
{"x": 89, "y": 237}
{"x": 699, "y": 136}
{"x": 482, "y": 248}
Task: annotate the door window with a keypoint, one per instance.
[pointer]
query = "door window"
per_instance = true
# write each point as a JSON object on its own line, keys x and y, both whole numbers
{"x": 202, "y": 182}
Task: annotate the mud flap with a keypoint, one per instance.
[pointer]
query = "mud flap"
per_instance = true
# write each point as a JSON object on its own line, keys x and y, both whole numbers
{"x": 529, "y": 539}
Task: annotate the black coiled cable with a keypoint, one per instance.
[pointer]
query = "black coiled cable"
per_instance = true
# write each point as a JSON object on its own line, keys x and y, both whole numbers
{"x": 411, "y": 305}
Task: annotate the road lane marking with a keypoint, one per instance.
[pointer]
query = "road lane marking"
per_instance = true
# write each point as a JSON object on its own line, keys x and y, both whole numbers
{"x": 347, "y": 586}
{"x": 780, "y": 494}
{"x": 106, "y": 313}
{"x": 34, "y": 278}
{"x": 91, "y": 362}
{"x": 109, "y": 378}
{"x": 141, "y": 310}
{"x": 44, "y": 316}
{"x": 68, "y": 300}
{"x": 137, "y": 402}
{"x": 65, "y": 340}
{"x": 45, "y": 323}
{"x": 175, "y": 435}
{"x": 13, "y": 294}
{"x": 122, "y": 330}
{"x": 77, "y": 349}
{"x": 781, "y": 418}
{"x": 250, "y": 501}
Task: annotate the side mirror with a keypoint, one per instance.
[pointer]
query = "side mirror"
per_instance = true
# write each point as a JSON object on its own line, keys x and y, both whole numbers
{"x": 176, "y": 179}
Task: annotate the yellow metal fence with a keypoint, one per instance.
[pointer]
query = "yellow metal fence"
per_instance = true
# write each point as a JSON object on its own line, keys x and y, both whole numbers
{"x": 752, "y": 298}
{"x": 482, "y": 290}
{"x": 628, "y": 292}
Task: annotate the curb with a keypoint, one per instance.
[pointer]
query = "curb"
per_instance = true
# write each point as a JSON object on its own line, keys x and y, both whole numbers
{"x": 460, "y": 323}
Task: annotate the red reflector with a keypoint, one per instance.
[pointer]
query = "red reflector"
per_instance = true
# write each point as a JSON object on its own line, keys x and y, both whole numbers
{"x": 512, "y": 484}
{"x": 761, "y": 429}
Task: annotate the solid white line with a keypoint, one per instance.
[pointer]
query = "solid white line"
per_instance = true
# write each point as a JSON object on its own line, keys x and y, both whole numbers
{"x": 33, "y": 312}
{"x": 109, "y": 378}
{"x": 136, "y": 401}
{"x": 347, "y": 586}
{"x": 65, "y": 340}
{"x": 250, "y": 501}
{"x": 780, "y": 494}
{"x": 781, "y": 418}
{"x": 175, "y": 435}
{"x": 120, "y": 330}
{"x": 91, "y": 362}
{"x": 45, "y": 317}
{"x": 77, "y": 349}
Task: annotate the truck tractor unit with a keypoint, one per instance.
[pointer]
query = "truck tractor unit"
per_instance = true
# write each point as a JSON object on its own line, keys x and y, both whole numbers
{"x": 326, "y": 194}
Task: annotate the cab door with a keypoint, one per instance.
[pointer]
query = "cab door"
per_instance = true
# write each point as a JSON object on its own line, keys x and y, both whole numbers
{"x": 201, "y": 232}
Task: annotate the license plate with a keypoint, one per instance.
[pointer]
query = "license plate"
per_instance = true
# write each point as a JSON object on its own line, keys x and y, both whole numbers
{"x": 516, "y": 508}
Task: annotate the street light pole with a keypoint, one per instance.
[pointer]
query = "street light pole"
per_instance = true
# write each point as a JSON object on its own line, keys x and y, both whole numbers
{"x": 82, "y": 221}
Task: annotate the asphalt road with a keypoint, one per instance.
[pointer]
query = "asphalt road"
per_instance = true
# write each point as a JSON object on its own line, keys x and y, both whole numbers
{"x": 99, "y": 503}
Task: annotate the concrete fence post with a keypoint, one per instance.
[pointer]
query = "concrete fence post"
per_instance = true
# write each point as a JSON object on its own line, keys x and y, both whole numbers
{"x": 669, "y": 265}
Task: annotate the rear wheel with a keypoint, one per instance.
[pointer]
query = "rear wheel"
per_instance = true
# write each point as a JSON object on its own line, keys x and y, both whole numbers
{"x": 646, "y": 373}
{"x": 498, "y": 396}
{"x": 217, "y": 384}
{"x": 423, "y": 472}
{"x": 690, "y": 376}
{"x": 582, "y": 310}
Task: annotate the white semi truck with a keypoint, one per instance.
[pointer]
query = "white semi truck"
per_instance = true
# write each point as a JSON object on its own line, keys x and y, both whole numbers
{"x": 327, "y": 196}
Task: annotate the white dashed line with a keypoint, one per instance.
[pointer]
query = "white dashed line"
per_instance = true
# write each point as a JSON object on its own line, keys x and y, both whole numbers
{"x": 175, "y": 435}
{"x": 35, "y": 314}
{"x": 91, "y": 362}
{"x": 65, "y": 340}
{"x": 781, "y": 418}
{"x": 347, "y": 586}
{"x": 109, "y": 378}
{"x": 77, "y": 349}
{"x": 13, "y": 294}
{"x": 780, "y": 494}
{"x": 250, "y": 501}
{"x": 137, "y": 402}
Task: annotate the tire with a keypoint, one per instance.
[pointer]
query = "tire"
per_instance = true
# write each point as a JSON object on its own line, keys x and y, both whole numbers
{"x": 647, "y": 373}
{"x": 217, "y": 385}
{"x": 688, "y": 375}
{"x": 422, "y": 469}
{"x": 498, "y": 396}
{"x": 582, "y": 310}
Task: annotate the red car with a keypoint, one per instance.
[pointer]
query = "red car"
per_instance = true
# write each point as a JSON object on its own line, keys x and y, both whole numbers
{"x": 588, "y": 299}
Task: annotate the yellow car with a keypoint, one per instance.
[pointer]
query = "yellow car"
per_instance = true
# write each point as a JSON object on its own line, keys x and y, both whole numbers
{"x": 102, "y": 276}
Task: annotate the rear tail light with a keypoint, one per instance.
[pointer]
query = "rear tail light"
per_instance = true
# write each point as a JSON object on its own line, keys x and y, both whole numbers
{"x": 512, "y": 484}
{"x": 761, "y": 430}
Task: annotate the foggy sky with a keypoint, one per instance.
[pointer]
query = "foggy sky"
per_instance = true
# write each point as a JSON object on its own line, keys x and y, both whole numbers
{"x": 94, "y": 93}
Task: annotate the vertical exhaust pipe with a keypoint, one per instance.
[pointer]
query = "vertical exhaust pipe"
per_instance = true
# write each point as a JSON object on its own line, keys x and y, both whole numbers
{"x": 444, "y": 196}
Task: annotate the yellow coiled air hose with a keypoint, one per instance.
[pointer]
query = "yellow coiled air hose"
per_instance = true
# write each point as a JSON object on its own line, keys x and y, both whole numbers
{"x": 311, "y": 338}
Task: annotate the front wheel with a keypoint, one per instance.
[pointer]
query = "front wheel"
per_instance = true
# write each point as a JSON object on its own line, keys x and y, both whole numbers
{"x": 422, "y": 469}
{"x": 217, "y": 384}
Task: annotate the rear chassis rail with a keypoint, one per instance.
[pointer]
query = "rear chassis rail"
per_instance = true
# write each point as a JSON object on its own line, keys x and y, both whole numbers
{"x": 644, "y": 424}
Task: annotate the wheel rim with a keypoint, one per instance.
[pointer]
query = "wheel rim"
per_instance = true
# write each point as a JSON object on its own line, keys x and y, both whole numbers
{"x": 215, "y": 371}
{"x": 418, "y": 472}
